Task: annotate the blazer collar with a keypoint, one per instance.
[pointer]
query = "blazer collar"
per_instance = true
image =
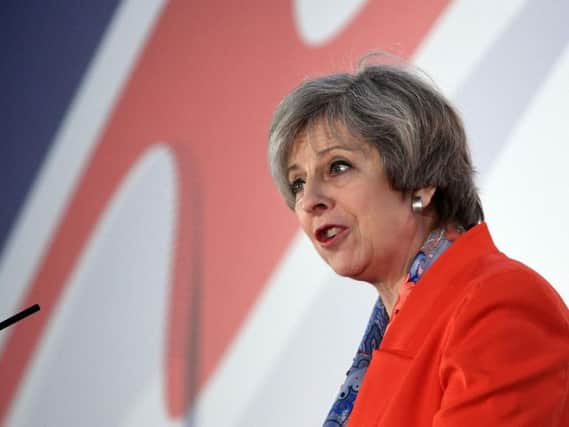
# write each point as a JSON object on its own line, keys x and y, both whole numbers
{"x": 438, "y": 287}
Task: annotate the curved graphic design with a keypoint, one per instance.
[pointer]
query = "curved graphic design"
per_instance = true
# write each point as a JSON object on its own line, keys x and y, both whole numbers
{"x": 106, "y": 340}
{"x": 73, "y": 234}
{"x": 317, "y": 23}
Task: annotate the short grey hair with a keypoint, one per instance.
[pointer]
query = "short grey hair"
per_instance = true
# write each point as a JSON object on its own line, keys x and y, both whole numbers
{"x": 419, "y": 136}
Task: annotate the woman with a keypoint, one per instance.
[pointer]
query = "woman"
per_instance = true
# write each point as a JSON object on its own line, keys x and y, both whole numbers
{"x": 376, "y": 167}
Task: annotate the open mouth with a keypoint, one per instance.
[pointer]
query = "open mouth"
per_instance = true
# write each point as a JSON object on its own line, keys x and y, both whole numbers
{"x": 328, "y": 233}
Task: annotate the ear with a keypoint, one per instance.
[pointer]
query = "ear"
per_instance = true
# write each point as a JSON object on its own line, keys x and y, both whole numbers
{"x": 426, "y": 194}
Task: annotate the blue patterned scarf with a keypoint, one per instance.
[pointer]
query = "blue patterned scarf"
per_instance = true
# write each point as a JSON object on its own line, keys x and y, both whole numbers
{"x": 433, "y": 247}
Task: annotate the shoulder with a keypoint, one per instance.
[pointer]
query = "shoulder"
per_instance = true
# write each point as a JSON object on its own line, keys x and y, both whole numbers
{"x": 474, "y": 268}
{"x": 496, "y": 281}
{"x": 477, "y": 273}
{"x": 504, "y": 310}
{"x": 507, "y": 337}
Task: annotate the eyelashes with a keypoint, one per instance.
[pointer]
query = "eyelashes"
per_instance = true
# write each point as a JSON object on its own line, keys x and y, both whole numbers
{"x": 337, "y": 167}
{"x": 296, "y": 186}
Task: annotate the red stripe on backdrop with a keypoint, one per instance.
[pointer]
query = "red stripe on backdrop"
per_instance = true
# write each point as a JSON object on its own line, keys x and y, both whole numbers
{"x": 209, "y": 79}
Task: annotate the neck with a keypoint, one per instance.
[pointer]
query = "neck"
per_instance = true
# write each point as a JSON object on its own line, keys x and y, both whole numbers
{"x": 389, "y": 287}
{"x": 389, "y": 294}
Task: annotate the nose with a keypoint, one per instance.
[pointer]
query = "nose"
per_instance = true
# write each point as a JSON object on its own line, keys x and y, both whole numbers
{"x": 316, "y": 198}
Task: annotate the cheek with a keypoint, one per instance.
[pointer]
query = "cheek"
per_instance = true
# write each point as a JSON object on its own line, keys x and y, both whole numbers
{"x": 385, "y": 218}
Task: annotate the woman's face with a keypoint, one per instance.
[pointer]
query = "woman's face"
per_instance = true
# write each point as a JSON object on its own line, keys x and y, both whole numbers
{"x": 360, "y": 226}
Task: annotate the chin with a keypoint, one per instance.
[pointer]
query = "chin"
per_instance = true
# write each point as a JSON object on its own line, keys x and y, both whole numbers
{"x": 353, "y": 271}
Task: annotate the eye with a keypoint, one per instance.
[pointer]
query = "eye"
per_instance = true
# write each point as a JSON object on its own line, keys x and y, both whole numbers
{"x": 338, "y": 167}
{"x": 296, "y": 186}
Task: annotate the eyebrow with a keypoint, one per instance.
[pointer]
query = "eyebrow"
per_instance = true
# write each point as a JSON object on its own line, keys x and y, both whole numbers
{"x": 322, "y": 152}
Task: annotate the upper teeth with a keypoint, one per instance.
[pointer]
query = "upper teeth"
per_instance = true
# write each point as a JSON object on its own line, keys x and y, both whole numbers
{"x": 332, "y": 231}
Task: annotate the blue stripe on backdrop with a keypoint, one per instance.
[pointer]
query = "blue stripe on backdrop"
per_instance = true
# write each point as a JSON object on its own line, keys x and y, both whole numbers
{"x": 45, "y": 48}
{"x": 502, "y": 86}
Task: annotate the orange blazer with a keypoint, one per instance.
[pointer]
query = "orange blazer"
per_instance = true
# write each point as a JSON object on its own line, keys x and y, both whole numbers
{"x": 481, "y": 341}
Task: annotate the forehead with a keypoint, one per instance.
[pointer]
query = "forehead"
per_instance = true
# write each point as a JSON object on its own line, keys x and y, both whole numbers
{"x": 323, "y": 137}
